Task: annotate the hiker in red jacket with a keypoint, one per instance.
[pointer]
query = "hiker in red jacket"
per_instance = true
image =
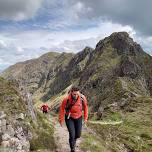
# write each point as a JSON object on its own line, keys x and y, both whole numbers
{"x": 71, "y": 110}
{"x": 45, "y": 108}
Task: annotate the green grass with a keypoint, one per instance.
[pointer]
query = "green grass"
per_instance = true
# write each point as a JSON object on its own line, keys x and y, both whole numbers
{"x": 10, "y": 100}
{"x": 92, "y": 143}
{"x": 43, "y": 140}
{"x": 42, "y": 132}
{"x": 134, "y": 134}
{"x": 113, "y": 116}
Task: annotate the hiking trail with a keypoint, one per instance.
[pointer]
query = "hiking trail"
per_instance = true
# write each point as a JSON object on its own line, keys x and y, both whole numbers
{"x": 61, "y": 136}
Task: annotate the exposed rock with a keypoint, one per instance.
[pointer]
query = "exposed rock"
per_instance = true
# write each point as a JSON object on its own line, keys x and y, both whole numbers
{"x": 20, "y": 116}
{"x": 124, "y": 44}
{"x": 129, "y": 68}
{"x": 100, "y": 112}
{"x": 5, "y": 137}
{"x": 13, "y": 138}
{"x": 10, "y": 130}
{"x": 3, "y": 123}
{"x": 5, "y": 144}
{"x": 2, "y": 115}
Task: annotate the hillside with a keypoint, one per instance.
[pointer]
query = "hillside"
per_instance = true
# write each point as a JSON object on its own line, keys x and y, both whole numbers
{"x": 35, "y": 73}
{"x": 115, "y": 71}
{"x": 18, "y": 132}
{"x": 116, "y": 77}
{"x": 13, "y": 124}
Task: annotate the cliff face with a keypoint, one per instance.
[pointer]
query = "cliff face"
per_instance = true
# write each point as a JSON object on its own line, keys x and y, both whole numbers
{"x": 117, "y": 70}
{"x": 70, "y": 74}
{"x": 22, "y": 129}
{"x": 14, "y": 132}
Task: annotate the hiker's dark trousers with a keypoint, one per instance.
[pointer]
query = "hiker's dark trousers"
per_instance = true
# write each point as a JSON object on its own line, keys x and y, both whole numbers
{"x": 74, "y": 127}
{"x": 45, "y": 111}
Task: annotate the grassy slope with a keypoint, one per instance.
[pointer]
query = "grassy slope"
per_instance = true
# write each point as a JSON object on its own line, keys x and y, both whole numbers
{"x": 10, "y": 100}
{"x": 43, "y": 140}
{"x": 12, "y": 104}
{"x": 134, "y": 134}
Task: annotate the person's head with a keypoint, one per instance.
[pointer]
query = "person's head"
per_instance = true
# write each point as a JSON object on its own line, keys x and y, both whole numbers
{"x": 75, "y": 92}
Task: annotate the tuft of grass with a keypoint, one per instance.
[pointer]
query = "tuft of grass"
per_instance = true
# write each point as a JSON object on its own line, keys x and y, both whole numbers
{"x": 113, "y": 116}
{"x": 43, "y": 140}
{"x": 92, "y": 144}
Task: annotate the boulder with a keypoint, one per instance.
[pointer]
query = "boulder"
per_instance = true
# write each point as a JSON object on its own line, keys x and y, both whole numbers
{"x": 5, "y": 137}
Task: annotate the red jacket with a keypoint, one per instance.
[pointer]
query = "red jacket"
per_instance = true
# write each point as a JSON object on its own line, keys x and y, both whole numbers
{"x": 45, "y": 107}
{"x": 76, "y": 110}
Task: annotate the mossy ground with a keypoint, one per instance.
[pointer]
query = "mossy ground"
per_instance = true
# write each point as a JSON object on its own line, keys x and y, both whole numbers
{"x": 43, "y": 139}
{"x": 10, "y": 100}
{"x": 134, "y": 134}
{"x": 42, "y": 131}
{"x": 92, "y": 143}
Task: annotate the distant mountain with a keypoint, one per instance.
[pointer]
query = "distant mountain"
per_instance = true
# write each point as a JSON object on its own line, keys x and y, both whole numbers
{"x": 34, "y": 73}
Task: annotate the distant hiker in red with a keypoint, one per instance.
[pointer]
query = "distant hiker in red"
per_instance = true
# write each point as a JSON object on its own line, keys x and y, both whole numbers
{"x": 45, "y": 108}
{"x": 71, "y": 110}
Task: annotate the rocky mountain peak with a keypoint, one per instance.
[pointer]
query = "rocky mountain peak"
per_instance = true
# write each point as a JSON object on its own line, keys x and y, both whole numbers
{"x": 80, "y": 56}
{"x": 88, "y": 49}
{"x": 122, "y": 43}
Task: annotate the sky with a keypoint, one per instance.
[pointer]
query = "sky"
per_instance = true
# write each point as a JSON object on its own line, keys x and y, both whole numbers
{"x": 30, "y": 28}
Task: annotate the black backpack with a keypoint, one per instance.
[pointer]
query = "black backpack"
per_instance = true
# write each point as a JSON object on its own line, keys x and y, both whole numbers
{"x": 69, "y": 105}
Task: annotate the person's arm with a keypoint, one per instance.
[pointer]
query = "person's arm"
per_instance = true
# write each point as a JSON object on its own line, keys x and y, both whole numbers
{"x": 85, "y": 104}
{"x": 47, "y": 108}
{"x": 62, "y": 111}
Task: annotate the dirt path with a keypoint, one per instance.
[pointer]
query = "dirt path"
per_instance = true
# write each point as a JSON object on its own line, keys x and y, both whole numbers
{"x": 61, "y": 136}
{"x": 106, "y": 123}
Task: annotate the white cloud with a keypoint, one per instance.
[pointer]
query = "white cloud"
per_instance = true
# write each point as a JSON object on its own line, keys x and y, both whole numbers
{"x": 2, "y": 44}
{"x": 77, "y": 8}
{"x": 23, "y": 45}
{"x": 18, "y": 10}
{"x": 19, "y": 49}
{"x": 136, "y": 13}
{"x": 70, "y": 25}
{"x": 35, "y": 39}
{"x": 146, "y": 42}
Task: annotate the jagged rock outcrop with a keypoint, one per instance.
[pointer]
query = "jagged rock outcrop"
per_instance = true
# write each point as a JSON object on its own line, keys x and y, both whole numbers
{"x": 117, "y": 70}
{"x": 14, "y": 130}
{"x": 69, "y": 74}
{"x": 13, "y": 136}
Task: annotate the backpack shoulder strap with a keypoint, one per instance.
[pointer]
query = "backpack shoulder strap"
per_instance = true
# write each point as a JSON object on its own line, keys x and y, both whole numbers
{"x": 69, "y": 106}
{"x": 82, "y": 101}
